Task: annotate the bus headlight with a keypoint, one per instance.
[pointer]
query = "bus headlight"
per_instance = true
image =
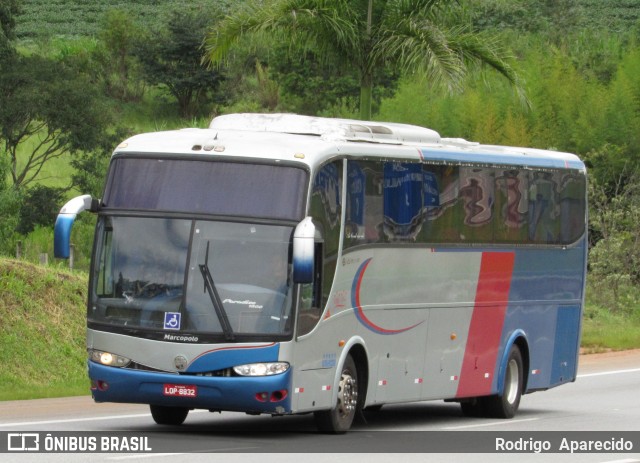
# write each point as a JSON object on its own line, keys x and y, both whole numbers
{"x": 107, "y": 358}
{"x": 261, "y": 369}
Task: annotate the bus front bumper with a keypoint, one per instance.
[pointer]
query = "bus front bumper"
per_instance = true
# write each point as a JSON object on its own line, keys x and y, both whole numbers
{"x": 260, "y": 394}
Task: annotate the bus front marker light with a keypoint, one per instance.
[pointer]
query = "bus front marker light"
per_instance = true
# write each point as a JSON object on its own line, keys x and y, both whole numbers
{"x": 261, "y": 369}
{"x": 109, "y": 359}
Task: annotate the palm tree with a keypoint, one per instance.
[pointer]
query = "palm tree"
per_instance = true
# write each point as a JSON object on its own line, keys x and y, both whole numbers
{"x": 427, "y": 37}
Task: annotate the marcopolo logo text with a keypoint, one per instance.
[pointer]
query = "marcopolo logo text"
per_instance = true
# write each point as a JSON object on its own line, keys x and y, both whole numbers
{"x": 176, "y": 337}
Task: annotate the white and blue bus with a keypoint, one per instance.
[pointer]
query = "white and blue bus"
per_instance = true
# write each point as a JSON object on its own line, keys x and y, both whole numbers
{"x": 284, "y": 264}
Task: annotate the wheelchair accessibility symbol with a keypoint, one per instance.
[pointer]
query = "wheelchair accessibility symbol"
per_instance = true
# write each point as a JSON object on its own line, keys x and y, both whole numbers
{"x": 172, "y": 321}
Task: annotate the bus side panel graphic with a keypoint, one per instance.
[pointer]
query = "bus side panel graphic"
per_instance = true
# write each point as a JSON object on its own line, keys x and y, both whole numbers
{"x": 483, "y": 340}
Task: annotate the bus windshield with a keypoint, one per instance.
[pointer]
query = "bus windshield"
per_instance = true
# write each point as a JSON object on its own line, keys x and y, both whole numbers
{"x": 224, "y": 279}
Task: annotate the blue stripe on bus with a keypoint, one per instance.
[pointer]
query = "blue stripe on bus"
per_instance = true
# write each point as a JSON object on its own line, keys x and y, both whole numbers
{"x": 565, "y": 354}
{"x": 227, "y": 357}
{"x": 545, "y": 296}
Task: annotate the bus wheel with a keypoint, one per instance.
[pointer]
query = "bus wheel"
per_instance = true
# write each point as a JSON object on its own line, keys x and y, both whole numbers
{"x": 174, "y": 416}
{"x": 339, "y": 418}
{"x": 506, "y": 404}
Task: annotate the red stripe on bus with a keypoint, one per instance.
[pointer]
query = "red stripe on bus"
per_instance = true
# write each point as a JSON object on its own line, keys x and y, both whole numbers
{"x": 485, "y": 330}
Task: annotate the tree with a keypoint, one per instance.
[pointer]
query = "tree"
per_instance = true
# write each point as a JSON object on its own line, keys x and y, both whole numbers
{"x": 429, "y": 37}
{"x": 47, "y": 110}
{"x": 172, "y": 58}
{"x": 315, "y": 85}
{"x": 114, "y": 54}
{"x": 8, "y": 10}
{"x": 614, "y": 256}
{"x": 10, "y": 201}
{"x": 39, "y": 207}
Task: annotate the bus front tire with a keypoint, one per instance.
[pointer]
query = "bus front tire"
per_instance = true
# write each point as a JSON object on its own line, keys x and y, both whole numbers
{"x": 338, "y": 420}
{"x": 173, "y": 416}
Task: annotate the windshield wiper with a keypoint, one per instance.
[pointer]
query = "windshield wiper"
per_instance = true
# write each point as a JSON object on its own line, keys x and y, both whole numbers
{"x": 210, "y": 288}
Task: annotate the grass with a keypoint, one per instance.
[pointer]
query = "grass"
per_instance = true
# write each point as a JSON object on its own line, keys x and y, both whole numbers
{"x": 42, "y": 334}
{"x": 611, "y": 318}
{"x": 603, "y": 330}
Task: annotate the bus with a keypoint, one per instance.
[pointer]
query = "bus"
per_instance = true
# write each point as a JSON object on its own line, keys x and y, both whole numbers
{"x": 282, "y": 264}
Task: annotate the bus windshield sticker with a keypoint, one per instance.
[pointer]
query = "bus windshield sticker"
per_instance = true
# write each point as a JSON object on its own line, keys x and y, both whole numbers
{"x": 172, "y": 320}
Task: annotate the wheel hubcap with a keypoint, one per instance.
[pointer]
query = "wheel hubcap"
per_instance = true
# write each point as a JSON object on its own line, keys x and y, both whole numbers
{"x": 512, "y": 381}
{"x": 347, "y": 395}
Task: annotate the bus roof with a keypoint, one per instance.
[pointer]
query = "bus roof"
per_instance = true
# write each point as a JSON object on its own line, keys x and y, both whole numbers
{"x": 313, "y": 140}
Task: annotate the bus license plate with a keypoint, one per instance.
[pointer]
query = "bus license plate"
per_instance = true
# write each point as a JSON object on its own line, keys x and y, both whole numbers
{"x": 180, "y": 390}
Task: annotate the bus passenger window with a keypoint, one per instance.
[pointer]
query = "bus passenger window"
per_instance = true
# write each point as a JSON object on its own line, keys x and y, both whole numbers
{"x": 403, "y": 200}
{"x": 511, "y": 206}
{"x": 572, "y": 207}
{"x": 541, "y": 208}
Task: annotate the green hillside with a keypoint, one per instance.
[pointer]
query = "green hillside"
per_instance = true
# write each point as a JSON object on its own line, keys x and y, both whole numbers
{"x": 46, "y": 18}
{"x": 615, "y": 15}
{"x": 42, "y": 334}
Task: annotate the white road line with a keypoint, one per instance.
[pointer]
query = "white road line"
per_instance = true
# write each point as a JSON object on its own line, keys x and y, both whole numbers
{"x": 80, "y": 420}
{"x": 144, "y": 455}
{"x": 493, "y": 423}
{"x": 615, "y": 372}
{"x": 155, "y": 455}
{"x": 72, "y": 420}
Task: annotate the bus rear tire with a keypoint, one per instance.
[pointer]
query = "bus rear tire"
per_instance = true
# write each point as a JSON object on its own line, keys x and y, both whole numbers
{"x": 474, "y": 407}
{"x": 173, "y": 416}
{"x": 506, "y": 404}
{"x": 338, "y": 420}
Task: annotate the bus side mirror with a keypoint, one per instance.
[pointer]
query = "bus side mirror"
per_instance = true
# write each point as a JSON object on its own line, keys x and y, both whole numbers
{"x": 303, "y": 251}
{"x": 64, "y": 222}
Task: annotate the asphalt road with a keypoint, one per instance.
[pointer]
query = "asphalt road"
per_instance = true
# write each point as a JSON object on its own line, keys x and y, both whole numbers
{"x": 603, "y": 404}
